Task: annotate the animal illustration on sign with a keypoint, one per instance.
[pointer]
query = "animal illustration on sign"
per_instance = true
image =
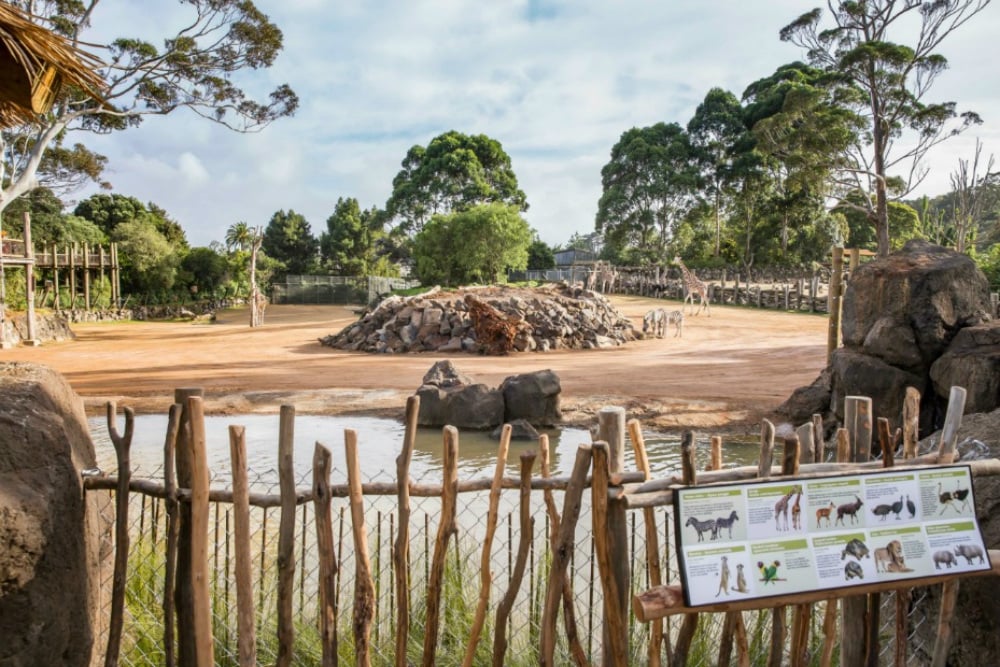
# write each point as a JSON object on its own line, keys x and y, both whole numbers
{"x": 890, "y": 558}
{"x": 848, "y": 509}
{"x": 882, "y": 511}
{"x": 769, "y": 573}
{"x": 702, "y": 527}
{"x": 944, "y": 557}
{"x": 962, "y": 496}
{"x": 741, "y": 580}
{"x": 723, "y": 577}
{"x": 824, "y": 513}
{"x": 855, "y": 548}
{"x": 969, "y": 552}
{"x": 911, "y": 507}
{"x": 781, "y": 509}
{"x": 853, "y": 570}
{"x": 945, "y": 499}
{"x": 727, "y": 523}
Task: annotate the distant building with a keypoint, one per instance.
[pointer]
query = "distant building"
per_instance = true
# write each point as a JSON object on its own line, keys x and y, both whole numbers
{"x": 573, "y": 257}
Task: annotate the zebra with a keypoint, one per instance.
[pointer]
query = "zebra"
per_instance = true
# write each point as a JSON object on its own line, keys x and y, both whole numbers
{"x": 726, "y": 522}
{"x": 703, "y": 527}
{"x": 675, "y": 317}
{"x": 656, "y": 320}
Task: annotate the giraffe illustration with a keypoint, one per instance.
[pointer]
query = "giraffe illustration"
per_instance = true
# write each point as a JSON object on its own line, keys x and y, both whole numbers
{"x": 693, "y": 287}
{"x": 797, "y": 511}
{"x": 781, "y": 509}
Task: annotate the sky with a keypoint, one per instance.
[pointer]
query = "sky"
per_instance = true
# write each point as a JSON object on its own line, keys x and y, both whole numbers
{"x": 556, "y": 82}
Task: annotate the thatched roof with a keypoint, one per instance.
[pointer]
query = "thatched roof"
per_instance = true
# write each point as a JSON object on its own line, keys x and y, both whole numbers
{"x": 34, "y": 62}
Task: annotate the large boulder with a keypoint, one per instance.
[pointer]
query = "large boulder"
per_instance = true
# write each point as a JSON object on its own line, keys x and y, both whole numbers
{"x": 473, "y": 406}
{"x": 900, "y": 315}
{"x": 533, "y": 397}
{"x": 857, "y": 374}
{"x": 906, "y": 308}
{"x": 52, "y": 536}
{"x": 972, "y": 361}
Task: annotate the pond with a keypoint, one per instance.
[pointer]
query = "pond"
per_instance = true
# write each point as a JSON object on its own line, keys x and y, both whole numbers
{"x": 379, "y": 443}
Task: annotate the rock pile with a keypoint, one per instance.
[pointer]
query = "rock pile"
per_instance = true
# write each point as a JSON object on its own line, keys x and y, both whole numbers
{"x": 552, "y": 317}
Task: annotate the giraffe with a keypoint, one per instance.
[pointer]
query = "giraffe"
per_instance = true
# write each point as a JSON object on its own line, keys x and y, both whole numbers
{"x": 781, "y": 509}
{"x": 602, "y": 278}
{"x": 693, "y": 287}
{"x": 797, "y": 511}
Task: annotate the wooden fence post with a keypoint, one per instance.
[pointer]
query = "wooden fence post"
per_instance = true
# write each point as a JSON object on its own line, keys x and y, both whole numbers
{"x": 446, "y": 529}
{"x": 527, "y": 524}
{"x": 652, "y": 536}
{"x": 184, "y": 604}
{"x": 401, "y": 549}
{"x": 485, "y": 563}
{"x": 327, "y": 555}
{"x": 286, "y": 535}
{"x": 122, "y": 446}
{"x": 615, "y": 643}
{"x": 170, "y": 567}
{"x": 201, "y": 602}
{"x": 855, "y": 610}
{"x": 836, "y": 287}
{"x": 562, "y": 549}
{"x": 246, "y": 632}
{"x": 611, "y": 429}
{"x": 364, "y": 587}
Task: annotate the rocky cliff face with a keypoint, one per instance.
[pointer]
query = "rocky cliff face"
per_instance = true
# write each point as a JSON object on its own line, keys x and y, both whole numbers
{"x": 546, "y": 318}
{"x": 53, "y": 539}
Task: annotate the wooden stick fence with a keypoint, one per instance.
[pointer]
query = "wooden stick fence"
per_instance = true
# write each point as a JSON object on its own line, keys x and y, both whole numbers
{"x": 614, "y": 492}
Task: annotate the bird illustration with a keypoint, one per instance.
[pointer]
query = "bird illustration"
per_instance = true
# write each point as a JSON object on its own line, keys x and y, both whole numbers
{"x": 769, "y": 573}
{"x": 960, "y": 495}
{"x": 945, "y": 498}
{"x": 897, "y": 507}
{"x": 911, "y": 507}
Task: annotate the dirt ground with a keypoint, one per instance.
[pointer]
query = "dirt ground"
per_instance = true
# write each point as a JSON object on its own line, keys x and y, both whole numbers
{"x": 727, "y": 371}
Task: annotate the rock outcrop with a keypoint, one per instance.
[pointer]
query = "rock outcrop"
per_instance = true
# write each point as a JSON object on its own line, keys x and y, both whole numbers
{"x": 52, "y": 537}
{"x": 909, "y": 320}
{"x": 450, "y": 398}
{"x": 553, "y": 317}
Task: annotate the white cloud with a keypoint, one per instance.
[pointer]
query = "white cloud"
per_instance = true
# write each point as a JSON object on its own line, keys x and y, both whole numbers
{"x": 556, "y": 82}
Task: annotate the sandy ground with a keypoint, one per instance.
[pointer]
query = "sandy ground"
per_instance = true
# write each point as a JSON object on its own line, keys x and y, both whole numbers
{"x": 727, "y": 371}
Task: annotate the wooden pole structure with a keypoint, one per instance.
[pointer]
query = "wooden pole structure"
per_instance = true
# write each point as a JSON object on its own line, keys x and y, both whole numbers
{"x": 55, "y": 278}
{"x": 690, "y": 623}
{"x": 184, "y": 602}
{"x": 173, "y": 524}
{"x": 949, "y": 590}
{"x": 527, "y": 524}
{"x": 911, "y": 423}
{"x": 364, "y": 586}
{"x": 401, "y": 550}
{"x": 563, "y": 541}
{"x": 656, "y": 638}
{"x": 201, "y": 600}
{"x": 286, "y": 535}
{"x": 122, "y": 445}
{"x": 854, "y": 629}
{"x": 615, "y": 648}
{"x": 327, "y": 556}
{"x": 246, "y": 632}
{"x": 485, "y": 562}
{"x": 71, "y": 251}
{"x": 611, "y": 429}
{"x": 836, "y": 287}
{"x": 446, "y": 529}
{"x": 29, "y": 280}
{"x": 86, "y": 275}
{"x": 116, "y": 287}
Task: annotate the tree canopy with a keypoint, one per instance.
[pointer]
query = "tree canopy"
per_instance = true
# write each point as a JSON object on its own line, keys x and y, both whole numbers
{"x": 196, "y": 66}
{"x": 883, "y": 73}
{"x": 348, "y": 247}
{"x": 454, "y": 172}
{"x": 475, "y": 245}
{"x": 288, "y": 239}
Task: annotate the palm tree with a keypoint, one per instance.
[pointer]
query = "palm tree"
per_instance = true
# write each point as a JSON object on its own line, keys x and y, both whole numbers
{"x": 239, "y": 236}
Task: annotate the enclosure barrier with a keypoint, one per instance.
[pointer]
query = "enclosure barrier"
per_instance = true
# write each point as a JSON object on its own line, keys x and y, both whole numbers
{"x": 187, "y": 609}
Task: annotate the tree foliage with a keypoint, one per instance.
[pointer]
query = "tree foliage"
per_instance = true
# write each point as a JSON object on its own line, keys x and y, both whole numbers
{"x": 348, "y": 247}
{"x": 454, "y": 172}
{"x": 288, "y": 239}
{"x": 476, "y": 245}
{"x": 649, "y": 184}
{"x": 195, "y": 66}
{"x": 886, "y": 83}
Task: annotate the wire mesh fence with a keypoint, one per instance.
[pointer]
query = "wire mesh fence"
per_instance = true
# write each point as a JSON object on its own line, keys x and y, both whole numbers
{"x": 142, "y": 642}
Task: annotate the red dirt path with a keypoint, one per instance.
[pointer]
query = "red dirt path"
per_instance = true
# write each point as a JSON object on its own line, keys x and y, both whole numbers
{"x": 725, "y": 373}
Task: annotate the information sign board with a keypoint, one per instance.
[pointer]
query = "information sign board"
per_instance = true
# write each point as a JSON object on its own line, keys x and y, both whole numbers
{"x": 779, "y": 537}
